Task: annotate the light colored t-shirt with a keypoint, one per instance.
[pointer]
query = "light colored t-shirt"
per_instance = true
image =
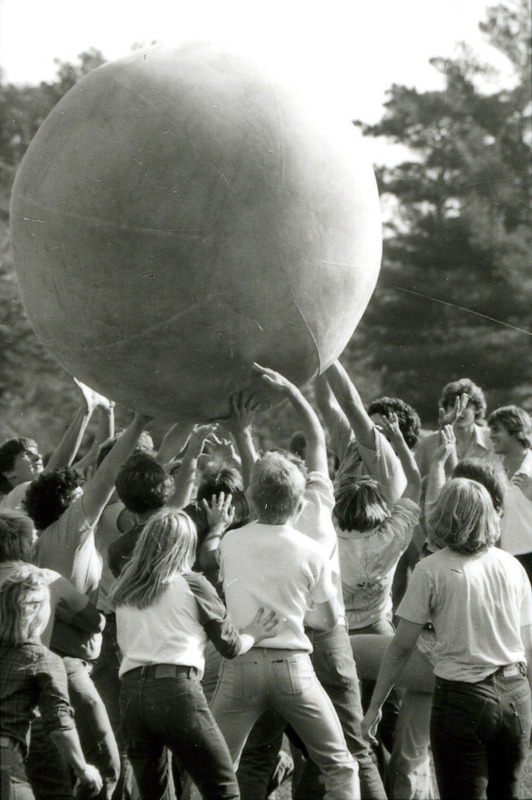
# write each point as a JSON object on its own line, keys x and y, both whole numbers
{"x": 477, "y": 604}
{"x": 479, "y": 447}
{"x": 357, "y": 461}
{"x": 15, "y": 499}
{"x": 278, "y": 568}
{"x": 315, "y": 521}
{"x": 67, "y": 546}
{"x": 368, "y": 561}
{"x": 175, "y": 628}
{"x": 516, "y": 522}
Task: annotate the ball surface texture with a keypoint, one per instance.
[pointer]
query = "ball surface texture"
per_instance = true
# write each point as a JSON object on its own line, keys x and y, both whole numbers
{"x": 181, "y": 214}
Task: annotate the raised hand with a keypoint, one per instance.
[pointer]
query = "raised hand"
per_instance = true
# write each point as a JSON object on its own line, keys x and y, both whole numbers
{"x": 391, "y": 429}
{"x": 447, "y": 445}
{"x": 275, "y": 379}
{"x": 220, "y": 512}
{"x": 92, "y": 398}
{"x": 449, "y": 417}
{"x": 244, "y": 407}
{"x": 199, "y": 435}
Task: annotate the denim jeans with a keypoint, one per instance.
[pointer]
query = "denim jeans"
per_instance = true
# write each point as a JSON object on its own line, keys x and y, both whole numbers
{"x": 14, "y": 782}
{"x": 480, "y": 734}
{"x": 47, "y": 768}
{"x": 333, "y": 662}
{"x": 285, "y": 681}
{"x": 107, "y": 682}
{"x": 171, "y": 712}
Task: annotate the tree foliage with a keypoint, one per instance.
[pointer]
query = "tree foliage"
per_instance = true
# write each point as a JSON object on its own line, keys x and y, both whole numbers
{"x": 455, "y": 292}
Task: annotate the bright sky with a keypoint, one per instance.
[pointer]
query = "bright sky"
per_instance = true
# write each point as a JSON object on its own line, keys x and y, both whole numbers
{"x": 349, "y": 50}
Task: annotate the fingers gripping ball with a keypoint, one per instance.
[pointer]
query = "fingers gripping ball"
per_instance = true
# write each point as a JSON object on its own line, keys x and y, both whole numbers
{"x": 181, "y": 214}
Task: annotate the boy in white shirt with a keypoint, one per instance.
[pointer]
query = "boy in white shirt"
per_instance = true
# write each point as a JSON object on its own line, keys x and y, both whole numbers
{"x": 269, "y": 563}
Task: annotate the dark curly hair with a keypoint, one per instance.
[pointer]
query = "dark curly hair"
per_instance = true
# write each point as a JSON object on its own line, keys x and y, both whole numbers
{"x": 407, "y": 417}
{"x": 8, "y": 453}
{"x": 142, "y": 484}
{"x": 50, "y": 495}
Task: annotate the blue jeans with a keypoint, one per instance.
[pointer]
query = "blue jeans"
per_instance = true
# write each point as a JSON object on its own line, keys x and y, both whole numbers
{"x": 332, "y": 659}
{"x": 164, "y": 707}
{"x": 480, "y": 735}
{"x": 14, "y": 782}
{"x": 285, "y": 681}
{"x": 47, "y": 768}
{"x": 107, "y": 682}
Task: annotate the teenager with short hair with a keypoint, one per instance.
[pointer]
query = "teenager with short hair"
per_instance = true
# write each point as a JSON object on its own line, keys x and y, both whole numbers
{"x": 269, "y": 562}
{"x": 479, "y": 601}
{"x": 511, "y": 436}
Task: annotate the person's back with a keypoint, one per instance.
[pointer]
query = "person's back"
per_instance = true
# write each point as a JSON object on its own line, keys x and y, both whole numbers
{"x": 269, "y": 563}
{"x": 274, "y": 566}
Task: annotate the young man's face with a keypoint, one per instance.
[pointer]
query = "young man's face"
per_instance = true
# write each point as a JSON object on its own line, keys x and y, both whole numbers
{"x": 502, "y": 441}
{"x": 26, "y": 466}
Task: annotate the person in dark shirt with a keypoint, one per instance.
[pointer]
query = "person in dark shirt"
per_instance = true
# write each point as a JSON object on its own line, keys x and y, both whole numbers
{"x": 32, "y": 676}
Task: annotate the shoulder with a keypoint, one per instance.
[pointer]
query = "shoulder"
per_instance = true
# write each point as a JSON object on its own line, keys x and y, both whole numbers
{"x": 405, "y": 508}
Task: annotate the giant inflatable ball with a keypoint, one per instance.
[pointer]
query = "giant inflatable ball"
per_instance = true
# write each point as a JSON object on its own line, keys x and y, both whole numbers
{"x": 181, "y": 214}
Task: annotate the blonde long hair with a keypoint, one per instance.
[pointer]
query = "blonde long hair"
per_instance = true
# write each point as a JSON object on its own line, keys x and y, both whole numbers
{"x": 24, "y": 605}
{"x": 464, "y": 518}
{"x": 165, "y": 548}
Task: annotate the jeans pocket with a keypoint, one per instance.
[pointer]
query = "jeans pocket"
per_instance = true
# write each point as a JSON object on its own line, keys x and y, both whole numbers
{"x": 341, "y": 669}
{"x": 292, "y": 675}
{"x": 464, "y": 714}
{"x": 239, "y": 681}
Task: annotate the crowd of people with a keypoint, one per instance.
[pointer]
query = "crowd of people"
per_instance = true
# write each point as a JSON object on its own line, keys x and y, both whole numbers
{"x": 353, "y": 613}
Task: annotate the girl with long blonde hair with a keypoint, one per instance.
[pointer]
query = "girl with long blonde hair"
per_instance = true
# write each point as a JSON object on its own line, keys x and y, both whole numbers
{"x": 165, "y": 615}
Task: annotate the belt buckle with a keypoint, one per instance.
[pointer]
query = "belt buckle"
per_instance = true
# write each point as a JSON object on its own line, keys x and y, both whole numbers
{"x": 167, "y": 670}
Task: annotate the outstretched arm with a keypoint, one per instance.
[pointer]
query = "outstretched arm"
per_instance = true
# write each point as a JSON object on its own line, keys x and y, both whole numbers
{"x": 239, "y": 423}
{"x": 185, "y": 476}
{"x": 316, "y": 449}
{"x": 336, "y": 422}
{"x": 99, "y": 488}
{"x": 66, "y": 450}
{"x": 351, "y": 404}
{"x": 394, "y": 661}
{"x": 174, "y": 442}
{"x": 406, "y": 457}
{"x": 436, "y": 477}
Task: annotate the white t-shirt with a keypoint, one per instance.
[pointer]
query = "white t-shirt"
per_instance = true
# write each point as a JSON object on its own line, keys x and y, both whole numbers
{"x": 67, "y": 546}
{"x": 274, "y": 567}
{"x": 477, "y": 604}
{"x": 316, "y": 522}
{"x": 356, "y": 461}
{"x": 166, "y": 632}
{"x": 516, "y": 522}
{"x": 368, "y": 562}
